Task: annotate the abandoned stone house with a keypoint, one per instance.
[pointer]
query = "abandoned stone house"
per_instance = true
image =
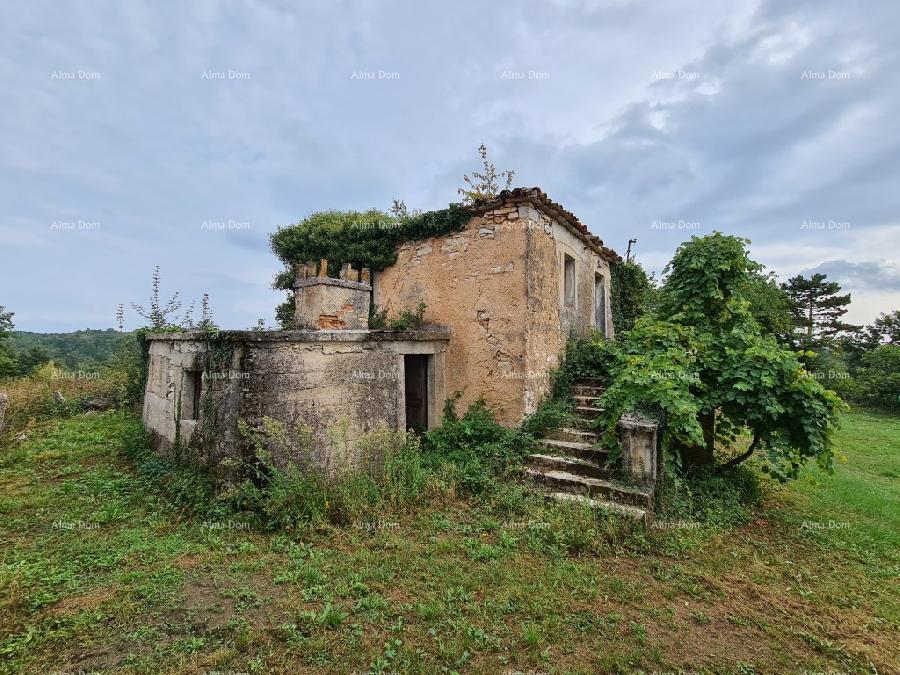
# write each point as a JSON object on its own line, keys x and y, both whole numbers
{"x": 502, "y": 297}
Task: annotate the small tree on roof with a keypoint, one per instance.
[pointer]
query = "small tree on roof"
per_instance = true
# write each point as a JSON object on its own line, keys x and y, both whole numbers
{"x": 484, "y": 185}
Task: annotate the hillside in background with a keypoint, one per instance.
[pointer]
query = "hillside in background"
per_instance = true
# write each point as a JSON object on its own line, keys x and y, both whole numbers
{"x": 70, "y": 350}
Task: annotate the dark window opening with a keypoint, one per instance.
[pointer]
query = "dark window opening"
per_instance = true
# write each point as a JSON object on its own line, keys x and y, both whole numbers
{"x": 190, "y": 395}
{"x": 569, "y": 281}
{"x": 416, "y": 391}
{"x": 600, "y": 304}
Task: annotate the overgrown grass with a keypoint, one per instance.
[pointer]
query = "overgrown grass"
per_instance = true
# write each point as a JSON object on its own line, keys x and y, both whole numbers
{"x": 146, "y": 581}
{"x": 32, "y": 400}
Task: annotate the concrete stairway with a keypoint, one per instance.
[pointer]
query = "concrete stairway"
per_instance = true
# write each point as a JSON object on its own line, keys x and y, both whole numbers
{"x": 569, "y": 465}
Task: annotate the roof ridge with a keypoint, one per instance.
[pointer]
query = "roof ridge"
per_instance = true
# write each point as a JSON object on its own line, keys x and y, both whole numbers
{"x": 538, "y": 198}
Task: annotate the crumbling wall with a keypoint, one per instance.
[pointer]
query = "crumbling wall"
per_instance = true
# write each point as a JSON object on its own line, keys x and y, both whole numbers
{"x": 551, "y": 321}
{"x": 473, "y": 281}
{"x": 326, "y": 388}
{"x": 165, "y": 389}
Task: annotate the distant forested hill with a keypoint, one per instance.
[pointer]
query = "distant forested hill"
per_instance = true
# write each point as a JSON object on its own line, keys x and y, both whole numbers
{"x": 71, "y": 350}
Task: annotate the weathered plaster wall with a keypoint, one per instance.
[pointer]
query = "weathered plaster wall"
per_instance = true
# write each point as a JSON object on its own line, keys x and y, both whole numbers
{"x": 499, "y": 285}
{"x": 337, "y": 384}
{"x": 551, "y": 321}
{"x": 473, "y": 281}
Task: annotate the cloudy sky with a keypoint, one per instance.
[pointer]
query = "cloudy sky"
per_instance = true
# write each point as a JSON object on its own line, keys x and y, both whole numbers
{"x": 127, "y": 126}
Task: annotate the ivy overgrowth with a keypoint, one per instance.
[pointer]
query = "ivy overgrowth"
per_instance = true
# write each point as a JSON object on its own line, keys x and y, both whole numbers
{"x": 217, "y": 369}
{"x": 362, "y": 238}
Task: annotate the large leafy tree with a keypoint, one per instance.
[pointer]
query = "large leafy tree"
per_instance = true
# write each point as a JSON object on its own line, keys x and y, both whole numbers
{"x": 770, "y": 305}
{"x": 878, "y": 377}
{"x": 703, "y": 361}
{"x": 631, "y": 295}
{"x": 817, "y": 306}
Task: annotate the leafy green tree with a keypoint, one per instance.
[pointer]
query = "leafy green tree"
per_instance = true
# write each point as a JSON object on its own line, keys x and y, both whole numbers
{"x": 817, "y": 307}
{"x": 82, "y": 349}
{"x": 885, "y": 329}
{"x": 631, "y": 293}
{"x": 703, "y": 362}
{"x": 8, "y": 364}
{"x": 878, "y": 378}
{"x": 31, "y": 359}
{"x": 770, "y": 305}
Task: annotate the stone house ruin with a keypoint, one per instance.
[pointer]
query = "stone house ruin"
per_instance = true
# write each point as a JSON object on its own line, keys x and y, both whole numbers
{"x": 502, "y": 295}
{"x": 523, "y": 276}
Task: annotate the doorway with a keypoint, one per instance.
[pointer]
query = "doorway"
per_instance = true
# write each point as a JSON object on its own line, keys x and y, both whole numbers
{"x": 416, "y": 392}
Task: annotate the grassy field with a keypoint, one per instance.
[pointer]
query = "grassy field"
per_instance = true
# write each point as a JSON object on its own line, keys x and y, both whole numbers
{"x": 100, "y": 573}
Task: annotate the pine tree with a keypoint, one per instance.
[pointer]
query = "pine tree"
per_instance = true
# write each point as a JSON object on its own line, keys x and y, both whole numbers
{"x": 817, "y": 308}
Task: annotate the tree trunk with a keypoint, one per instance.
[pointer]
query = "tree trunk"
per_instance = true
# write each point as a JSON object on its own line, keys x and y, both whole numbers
{"x": 703, "y": 455}
{"x": 743, "y": 456}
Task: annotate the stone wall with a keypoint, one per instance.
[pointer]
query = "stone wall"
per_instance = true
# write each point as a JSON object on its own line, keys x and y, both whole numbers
{"x": 321, "y": 302}
{"x": 499, "y": 285}
{"x": 338, "y": 385}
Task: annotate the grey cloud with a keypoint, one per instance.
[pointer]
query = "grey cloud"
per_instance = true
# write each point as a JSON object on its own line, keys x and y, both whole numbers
{"x": 152, "y": 150}
{"x": 871, "y": 275}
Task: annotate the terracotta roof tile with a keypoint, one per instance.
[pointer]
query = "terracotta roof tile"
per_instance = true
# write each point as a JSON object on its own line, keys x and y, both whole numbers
{"x": 539, "y": 199}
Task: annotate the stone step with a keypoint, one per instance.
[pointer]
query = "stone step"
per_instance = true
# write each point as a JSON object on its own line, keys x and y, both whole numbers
{"x": 621, "y": 509}
{"x": 580, "y": 449}
{"x": 589, "y": 382}
{"x": 590, "y": 401}
{"x": 572, "y": 434}
{"x": 565, "y": 481}
{"x": 583, "y": 423}
{"x": 589, "y": 412}
{"x": 587, "y": 390}
{"x": 577, "y": 465}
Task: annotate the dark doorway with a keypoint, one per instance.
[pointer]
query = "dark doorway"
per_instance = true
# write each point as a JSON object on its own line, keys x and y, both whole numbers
{"x": 416, "y": 390}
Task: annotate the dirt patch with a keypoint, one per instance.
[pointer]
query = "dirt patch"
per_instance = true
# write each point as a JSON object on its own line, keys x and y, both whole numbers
{"x": 186, "y": 562}
{"x": 79, "y": 603}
